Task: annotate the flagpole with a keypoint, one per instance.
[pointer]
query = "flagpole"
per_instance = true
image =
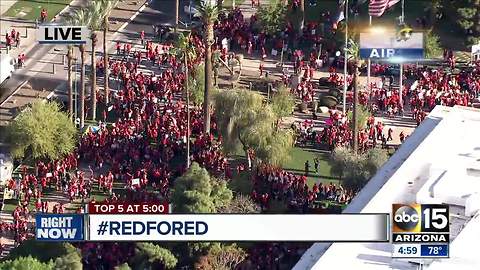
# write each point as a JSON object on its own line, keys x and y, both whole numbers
{"x": 369, "y": 63}
{"x": 400, "y": 84}
{"x": 345, "y": 60}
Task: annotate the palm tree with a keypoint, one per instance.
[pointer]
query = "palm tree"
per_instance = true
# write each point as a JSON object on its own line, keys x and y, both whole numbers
{"x": 353, "y": 52}
{"x": 107, "y": 7}
{"x": 81, "y": 17}
{"x": 70, "y": 80}
{"x": 95, "y": 9}
{"x": 208, "y": 12}
{"x": 186, "y": 49}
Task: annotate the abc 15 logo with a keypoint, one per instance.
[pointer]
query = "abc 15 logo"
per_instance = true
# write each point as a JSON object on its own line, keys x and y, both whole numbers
{"x": 418, "y": 218}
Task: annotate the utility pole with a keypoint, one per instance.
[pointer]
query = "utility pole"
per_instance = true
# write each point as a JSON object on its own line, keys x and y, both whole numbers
{"x": 355, "y": 107}
{"x": 345, "y": 73}
{"x": 369, "y": 62}
{"x": 177, "y": 5}
{"x": 185, "y": 55}
{"x": 400, "y": 89}
{"x": 302, "y": 10}
{"x": 400, "y": 82}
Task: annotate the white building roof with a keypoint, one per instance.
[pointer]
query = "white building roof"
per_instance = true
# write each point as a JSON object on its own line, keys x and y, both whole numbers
{"x": 438, "y": 163}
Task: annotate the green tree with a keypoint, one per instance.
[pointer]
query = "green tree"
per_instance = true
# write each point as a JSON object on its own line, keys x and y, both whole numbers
{"x": 241, "y": 204}
{"x": 339, "y": 161}
{"x": 283, "y": 103}
{"x": 107, "y": 7}
{"x": 271, "y": 146}
{"x": 149, "y": 256}
{"x": 244, "y": 121}
{"x": 196, "y": 77}
{"x": 42, "y": 251}
{"x": 362, "y": 117}
{"x": 356, "y": 169}
{"x": 468, "y": 17}
{"x": 197, "y": 192}
{"x": 25, "y": 263}
{"x": 70, "y": 261}
{"x": 96, "y": 12}
{"x": 272, "y": 17}
{"x": 43, "y": 131}
{"x": 71, "y": 109}
{"x": 375, "y": 158}
{"x": 196, "y": 81}
{"x": 208, "y": 12}
{"x": 433, "y": 49}
{"x": 222, "y": 257}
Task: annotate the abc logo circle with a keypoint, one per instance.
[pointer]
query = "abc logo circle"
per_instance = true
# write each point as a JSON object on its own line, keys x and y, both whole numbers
{"x": 406, "y": 218}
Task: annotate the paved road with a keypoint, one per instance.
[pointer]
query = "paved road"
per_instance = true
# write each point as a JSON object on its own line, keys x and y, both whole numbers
{"x": 157, "y": 12}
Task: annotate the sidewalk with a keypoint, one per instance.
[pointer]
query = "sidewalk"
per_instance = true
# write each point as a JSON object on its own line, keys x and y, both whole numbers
{"x": 5, "y": 5}
{"x": 247, "y": 9}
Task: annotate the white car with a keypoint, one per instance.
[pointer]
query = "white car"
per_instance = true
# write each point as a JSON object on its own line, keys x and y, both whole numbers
{"x": 7, "y": 67}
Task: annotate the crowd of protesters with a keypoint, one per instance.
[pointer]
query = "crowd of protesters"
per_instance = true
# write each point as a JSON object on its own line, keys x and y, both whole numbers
{"x": 272, "y": 183}
{"x": 139, "y": 149}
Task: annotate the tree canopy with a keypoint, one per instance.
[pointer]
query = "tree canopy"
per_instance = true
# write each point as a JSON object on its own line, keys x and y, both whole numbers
{"x": 356, "y": 169}
{"x": 43, "y": 131}
{"x": 246, "y": 122}
{"x": 70, "y": 261}
{"x": 196, "y": 84}
{"x": 468, "y": 18}
{"x": 241, "y": 204}
{"x": 433, "y": 49}
{"x": 272, "y": 17}
{"x": 283, "y": 102}
{"x": 222, "y": 257}
{"x": 197, "y": 192}
{"x": 152, "y": 256}
{"x": 42, "y": 251}
{"x": 25, "y": 263}
{"x": 362, "y": 117}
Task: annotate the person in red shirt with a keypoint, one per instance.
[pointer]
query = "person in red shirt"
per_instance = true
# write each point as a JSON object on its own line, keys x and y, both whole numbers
{"x": 43, "y": 15}
{"x": 260, "y": 68}
{"x": 8, "y": 41}
{"x": 17, "y": 40}
{"x": 118, "y": 47}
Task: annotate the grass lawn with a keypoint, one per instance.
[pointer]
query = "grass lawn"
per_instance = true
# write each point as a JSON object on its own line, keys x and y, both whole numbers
{"x": 10, "y": 205}
{"x": 242, "y": 184}
{"x": 30, "y": 9}
{"x": 296, "y": 164}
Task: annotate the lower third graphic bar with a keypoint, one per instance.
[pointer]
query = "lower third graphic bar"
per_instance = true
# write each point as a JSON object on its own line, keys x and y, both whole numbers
{"x": 217, "y": 227}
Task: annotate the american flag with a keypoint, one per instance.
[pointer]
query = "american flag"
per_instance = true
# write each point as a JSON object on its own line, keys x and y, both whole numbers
{"x": 378, "y": 7}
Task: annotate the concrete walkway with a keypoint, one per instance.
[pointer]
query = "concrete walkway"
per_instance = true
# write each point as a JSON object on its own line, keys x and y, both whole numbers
{"x": 5, "y": 5}
{"x": 248, "y": 10}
